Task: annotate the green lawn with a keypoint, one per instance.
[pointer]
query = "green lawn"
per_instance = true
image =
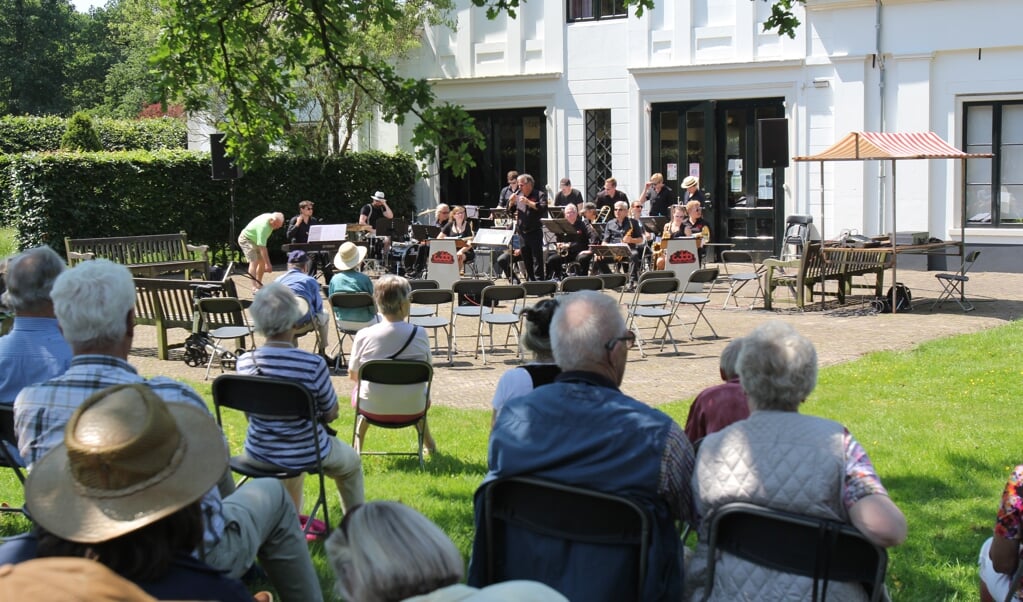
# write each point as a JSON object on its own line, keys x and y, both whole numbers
{"x": 934, "y": 420}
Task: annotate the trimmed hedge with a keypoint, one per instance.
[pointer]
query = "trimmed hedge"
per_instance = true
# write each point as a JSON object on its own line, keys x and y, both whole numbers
{"x": 83, "y": 195}
{"x": 42, "y": 134}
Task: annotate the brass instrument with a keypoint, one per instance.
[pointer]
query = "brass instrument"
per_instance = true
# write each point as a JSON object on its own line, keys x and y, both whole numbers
{"x": 660, "y": 245}
{"x": 563, "y": 248}
{"x": 603, "y": 214}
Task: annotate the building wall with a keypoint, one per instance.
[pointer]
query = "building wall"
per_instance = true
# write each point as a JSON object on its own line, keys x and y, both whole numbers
{"x": 854, "y": 65}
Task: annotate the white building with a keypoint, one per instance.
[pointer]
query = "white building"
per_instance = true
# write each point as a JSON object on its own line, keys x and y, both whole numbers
{"x": 565, "y": 90}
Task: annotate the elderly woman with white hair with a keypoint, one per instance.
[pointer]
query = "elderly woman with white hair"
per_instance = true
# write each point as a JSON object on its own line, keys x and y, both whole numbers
{"x": 386, "y": 551}
{"x": 781, "y": 459}
{"x": 285, "y": 442}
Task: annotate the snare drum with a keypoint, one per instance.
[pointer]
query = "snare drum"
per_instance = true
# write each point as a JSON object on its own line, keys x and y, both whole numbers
{"x": 375, "y": 247}
{"x": 404, "y": 260}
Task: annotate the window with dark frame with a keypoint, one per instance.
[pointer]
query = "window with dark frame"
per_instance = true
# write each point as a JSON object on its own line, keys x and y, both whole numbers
{"x": 994, "y": 187}
{"x": 594, "y": 10}
{"x": 598, "y": 150}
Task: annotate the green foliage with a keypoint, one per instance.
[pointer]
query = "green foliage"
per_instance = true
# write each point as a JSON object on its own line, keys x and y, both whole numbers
{"x": 81, "y": 195}
{"x": 40, "y": 134}
{"x": 782, "y": 17}
{"x": 34, "y": 56}
{"x": 80, "y": 135}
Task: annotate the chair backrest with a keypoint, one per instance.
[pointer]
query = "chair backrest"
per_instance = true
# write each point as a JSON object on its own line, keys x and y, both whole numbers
{"x": 647, "y": 275}
{"x": 613, "y": 281}
{"x": 703, "y": 276}
{"x": 582, "y": 525}
{"x": 502, "y": 292}
{"x": 431, "y": 296}
{"x": 401, "y": 391}
{"x": 968, "y": 261}
{"x": 654, "y": 286}
{"x": 740, "y": 261}
{"x": 821, "y": 549}
{"x": 222, "y": 311}
{"x": 352, "y": 300}
{"x": 581, "y": 283}
{"x": 262, "y": 395}
{"x": 540, "y": 288}
{"x": 423, "y": 284}
{"x": 797, "y": 232}
{"x": 470, "y": 286}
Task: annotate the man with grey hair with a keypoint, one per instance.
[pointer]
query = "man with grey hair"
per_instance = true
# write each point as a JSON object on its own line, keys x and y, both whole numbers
{"x": 718, "y": 406}
{"x": 783, "y": 460}
{"x": 95, "y": 306}
{"x": 622, "y": 229}
{"x": 34, "y": 350}
{"x": 582, "y": 431}
{"x": 252, "y": 242}
{"x": 306, "y": 287}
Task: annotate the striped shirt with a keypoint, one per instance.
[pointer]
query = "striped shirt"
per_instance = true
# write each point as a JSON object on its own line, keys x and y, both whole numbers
{"x": 42, "y": 411}
{"x": 285, "y": 441}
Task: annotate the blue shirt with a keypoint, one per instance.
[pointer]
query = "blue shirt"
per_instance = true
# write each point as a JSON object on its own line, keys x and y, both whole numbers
{"x": 33, "y": 352}
{"x": 352, "y": 281}
{"x": 306, "y": 287}
{"x": 285, "y": 441}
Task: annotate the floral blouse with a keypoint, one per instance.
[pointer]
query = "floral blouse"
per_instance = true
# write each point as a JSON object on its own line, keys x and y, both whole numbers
{"x": 1010, "y": 512}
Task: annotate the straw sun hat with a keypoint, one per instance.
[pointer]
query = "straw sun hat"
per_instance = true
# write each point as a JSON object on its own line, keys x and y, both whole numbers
{"x": 128, "y": 460}
{"x": 690, "y": 181}
{"x": 349, "y": 256}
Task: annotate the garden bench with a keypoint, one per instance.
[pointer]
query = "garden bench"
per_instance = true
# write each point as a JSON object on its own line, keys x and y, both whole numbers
{"x": 818, "y": 265}
{"x": 146, "y": 256}
{"x": 168, "y": 304}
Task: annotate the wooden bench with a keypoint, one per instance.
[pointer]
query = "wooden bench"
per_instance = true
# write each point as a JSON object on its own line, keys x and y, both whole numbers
{"x": 818, "y": 266}
{"x": 146, "y": 256}
{"x": 168, "y": 304}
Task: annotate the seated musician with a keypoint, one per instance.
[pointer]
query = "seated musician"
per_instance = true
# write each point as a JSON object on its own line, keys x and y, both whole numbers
{"x": 637, "y": 210}
{"x": 371, "y": 213}
{"x": 298, "y": 233}
{"x": 589, "y": 211}
{"x": 443, "y": 213}
{"x": 578, "y": 250}
{"x": 698, "y": 226}
{"x": 459, "y": 227}
{"x": 623, "y": 229}
{"x": 676, "y": 228}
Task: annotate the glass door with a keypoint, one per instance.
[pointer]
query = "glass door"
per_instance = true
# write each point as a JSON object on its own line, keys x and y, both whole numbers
{"x": 683, "y": 145}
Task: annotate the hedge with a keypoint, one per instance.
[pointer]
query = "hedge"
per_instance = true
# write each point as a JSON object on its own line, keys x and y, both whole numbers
{"x": 84, "y": 195}
{"x": 41, "y": 134}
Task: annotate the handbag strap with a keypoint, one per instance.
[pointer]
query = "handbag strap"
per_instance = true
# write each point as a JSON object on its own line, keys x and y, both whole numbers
{"x": 415, "y": 329}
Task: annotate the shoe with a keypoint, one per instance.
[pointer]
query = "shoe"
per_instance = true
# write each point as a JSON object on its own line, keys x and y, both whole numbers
{"x": 515, "y": 281}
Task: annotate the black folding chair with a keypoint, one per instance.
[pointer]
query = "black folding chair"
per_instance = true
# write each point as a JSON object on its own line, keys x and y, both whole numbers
{"x": 279, "y": 398}
{"x": 7, "y": 459}
{"x": 408, "y": 410}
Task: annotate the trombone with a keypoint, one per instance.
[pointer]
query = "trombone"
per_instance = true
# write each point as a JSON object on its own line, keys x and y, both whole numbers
{"x": 605, "y": 212}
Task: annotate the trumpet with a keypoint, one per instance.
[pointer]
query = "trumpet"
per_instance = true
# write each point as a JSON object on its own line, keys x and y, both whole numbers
{"x": 563, "y": 249}
{"x": 605, "y": 212}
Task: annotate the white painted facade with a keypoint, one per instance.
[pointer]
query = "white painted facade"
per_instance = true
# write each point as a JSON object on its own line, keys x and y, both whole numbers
{"x": 891, "y": 65}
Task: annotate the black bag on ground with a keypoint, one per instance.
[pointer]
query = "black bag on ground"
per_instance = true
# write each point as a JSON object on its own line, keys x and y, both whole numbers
{"x": 900, "y": 295}
{"x": 473, "y": 299}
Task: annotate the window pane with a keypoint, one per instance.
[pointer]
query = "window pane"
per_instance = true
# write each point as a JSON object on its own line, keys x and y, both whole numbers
{"x": 978, "y": 171}
{"x": 580, "y": 9}
{"x": 978, "y": 125}
{"x": 978, "y": 204}
{"x": 1012, "y": 164}
{"x": 1012, "y": 124}
{"x": 1012, "y": 204}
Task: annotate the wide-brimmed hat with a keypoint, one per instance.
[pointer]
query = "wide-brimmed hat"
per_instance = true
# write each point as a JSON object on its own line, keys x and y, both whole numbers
{"x": 349, "y": 256}
{"x": 67, "y": 580}
{"x": 690, "y": 181}
{"x": 378, "y": 196}
{"x": 128, "y": 459}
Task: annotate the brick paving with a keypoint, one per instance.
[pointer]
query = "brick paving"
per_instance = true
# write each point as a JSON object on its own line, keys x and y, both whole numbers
{"x": 840, "y": 333}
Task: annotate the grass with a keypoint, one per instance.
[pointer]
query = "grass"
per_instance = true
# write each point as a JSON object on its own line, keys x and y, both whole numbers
{"x": 8, "y": 242}
{"x": 935, "y": 420}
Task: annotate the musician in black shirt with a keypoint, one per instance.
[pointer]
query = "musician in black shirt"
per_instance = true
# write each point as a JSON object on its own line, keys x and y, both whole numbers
{"x": 578, "y": 250}
{"x": 623, "y": 229}
{"x": 298, "y": 226}
{"x": 529, "y": 205}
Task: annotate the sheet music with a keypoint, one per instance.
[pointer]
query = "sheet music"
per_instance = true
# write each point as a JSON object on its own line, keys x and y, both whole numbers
{"x": 486, "y": 237}
{"x": 327, "y": 232}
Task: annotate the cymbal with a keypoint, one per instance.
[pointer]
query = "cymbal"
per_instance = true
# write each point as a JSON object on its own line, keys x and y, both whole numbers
{"x": 358, "y": 228}
{"x": 425, "y": 212}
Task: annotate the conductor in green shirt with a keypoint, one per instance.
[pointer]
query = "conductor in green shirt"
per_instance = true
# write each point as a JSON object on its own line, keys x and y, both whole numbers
{"x": 252, "y": 241}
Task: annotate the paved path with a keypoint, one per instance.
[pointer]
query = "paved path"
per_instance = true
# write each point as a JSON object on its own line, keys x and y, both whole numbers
{"x": 841, "y": 333}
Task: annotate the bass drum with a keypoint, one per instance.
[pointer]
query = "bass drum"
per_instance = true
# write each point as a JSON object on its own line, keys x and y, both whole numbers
{"x": 405, "y": 261}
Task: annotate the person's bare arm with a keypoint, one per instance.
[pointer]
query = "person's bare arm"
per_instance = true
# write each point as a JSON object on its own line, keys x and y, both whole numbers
{"x": 879, "y": 519}
{"x": 1004, "y": 554}
{"x": 363, "y": 219}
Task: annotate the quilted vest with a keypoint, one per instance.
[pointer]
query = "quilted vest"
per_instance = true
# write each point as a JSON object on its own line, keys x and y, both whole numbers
{"x": 799, "y": 466}
{"x": 582, "y": 431}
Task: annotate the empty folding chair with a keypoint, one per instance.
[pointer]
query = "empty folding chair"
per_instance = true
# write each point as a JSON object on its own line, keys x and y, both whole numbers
{"x": 615, "y": 282}
{"x": 705, "y": 277}
{"x": 467, "y": 300}
{"x": 223, "y": 319}
{"x": 497, "y": 294}
{"x": 954, "y": 285}
{"x": 572, "y": 284}
{"x": 431, "y": 300}
{"x": 663, "y": 314}
{"x": 741, "y": 269}
{"x": 422, "y": 309}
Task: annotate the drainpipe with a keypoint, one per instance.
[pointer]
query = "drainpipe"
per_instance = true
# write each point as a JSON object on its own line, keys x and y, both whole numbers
{"x": 879, "y": 59}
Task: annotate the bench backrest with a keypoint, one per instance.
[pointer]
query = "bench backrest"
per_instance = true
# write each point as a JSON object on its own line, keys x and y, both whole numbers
{"x": 172, "y": 301}
{"x": 126, "y": 250}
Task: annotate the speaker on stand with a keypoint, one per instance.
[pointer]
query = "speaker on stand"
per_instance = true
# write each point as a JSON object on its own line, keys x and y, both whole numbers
{"x": 223, "y": 168}
{"x": 773, "y": 142}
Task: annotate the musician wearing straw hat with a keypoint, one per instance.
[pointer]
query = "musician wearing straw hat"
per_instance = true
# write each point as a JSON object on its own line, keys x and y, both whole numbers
{"x": 691, "y": 191}
{"x": 350, "y": 280}
{"x": 125, "y": 488}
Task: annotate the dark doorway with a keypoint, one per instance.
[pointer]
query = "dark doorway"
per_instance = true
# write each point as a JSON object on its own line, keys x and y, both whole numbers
{"x": 516, "y": 139}
{"x": 745, "y": 205}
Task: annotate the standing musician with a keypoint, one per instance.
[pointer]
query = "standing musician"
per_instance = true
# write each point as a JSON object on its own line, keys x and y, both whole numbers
{"x": 578, "y": 251}
{"x": 459, "y": 227}
{"x": 696, "y": 225}
{"x": 645, "y": 250}
{"x": 530, "y": 206}
{"x": 692, "y": 192}
{"x": 658, "y": 195}
{"x": 623, "y": 229}
{"x": 676, "y": 228}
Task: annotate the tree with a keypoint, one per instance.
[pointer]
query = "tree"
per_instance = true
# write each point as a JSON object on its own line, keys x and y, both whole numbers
{"x": 34, "y": 50}
{"x": 255, "y": 62}
{"x": 80, "y": 135}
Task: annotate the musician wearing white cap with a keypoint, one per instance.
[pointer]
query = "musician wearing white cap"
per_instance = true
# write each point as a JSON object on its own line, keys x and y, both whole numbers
{"x": 372, "y": 212}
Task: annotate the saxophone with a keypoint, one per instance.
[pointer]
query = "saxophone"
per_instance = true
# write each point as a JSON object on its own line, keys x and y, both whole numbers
{"x": 662, "y": 244}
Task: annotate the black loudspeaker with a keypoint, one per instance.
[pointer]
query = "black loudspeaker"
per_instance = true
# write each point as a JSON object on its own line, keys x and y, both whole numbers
{"x": 223, "y": 167}
{"x": 773, "y": 142}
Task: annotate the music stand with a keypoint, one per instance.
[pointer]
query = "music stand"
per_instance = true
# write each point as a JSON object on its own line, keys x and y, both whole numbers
{"x": 653, "y": 223}
{"x": 397, "y": 229}
{"x": 499, "y": 213}
{"x": 556, "y": 212}
{"x": 423, "y": 232}
{"x": 562, "y": 230}
{"x": 615, "y": 252}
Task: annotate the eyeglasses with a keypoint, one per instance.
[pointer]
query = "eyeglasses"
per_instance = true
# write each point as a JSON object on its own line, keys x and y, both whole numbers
{"x": 444, "y": 212}
{"x": 629, "y": 338}
{"x": 637, "y": 206}
{"x": 622, "y": 209}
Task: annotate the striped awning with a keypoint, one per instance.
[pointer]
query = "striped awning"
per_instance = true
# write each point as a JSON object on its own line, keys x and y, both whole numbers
{"x": 872, "y": 146}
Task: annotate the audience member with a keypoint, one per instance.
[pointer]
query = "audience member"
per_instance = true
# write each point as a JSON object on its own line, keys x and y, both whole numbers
{"x": 350, "y": 280}
{"x": 124, "y": 488}
{"x": 66, "y": 580}
{"x": 536, "y": 338}
{"x": 252, "y": 242}
{"x": 581, "y": 430}
{"x": 781, "y": 459}
{"x": 718, "y": 406}
{"x": 391, "y": 339}
{"x": 387, "y": 551}
{"x": 306, "y": 287}
{"x": 34, "y": 350}
{"x": 94, "y": 303}
{"x": 999, "y": 556}
{"x": 285, "y": 441}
